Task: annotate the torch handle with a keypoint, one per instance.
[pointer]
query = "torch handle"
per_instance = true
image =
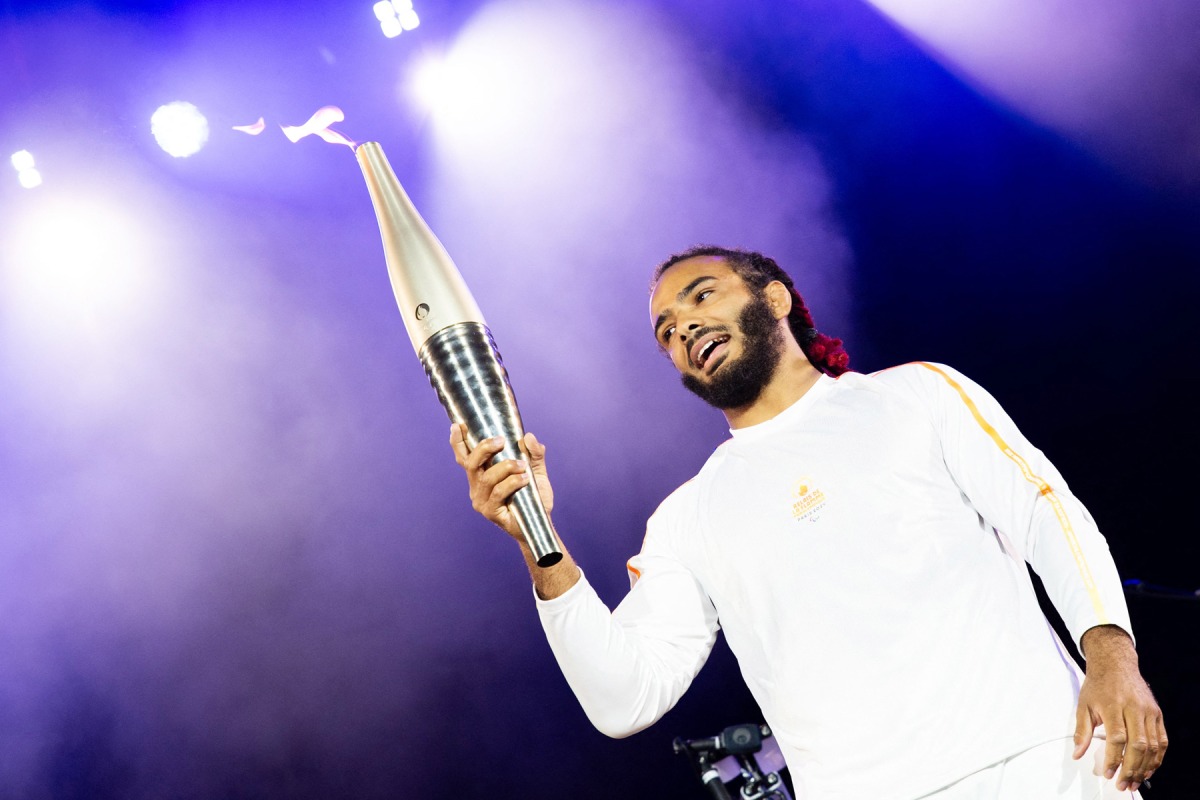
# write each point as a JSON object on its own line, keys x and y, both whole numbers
{"x": 465, "y": 368}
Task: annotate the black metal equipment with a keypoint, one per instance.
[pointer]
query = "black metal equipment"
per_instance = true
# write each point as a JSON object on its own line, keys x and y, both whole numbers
{"x": 730, "y": 756}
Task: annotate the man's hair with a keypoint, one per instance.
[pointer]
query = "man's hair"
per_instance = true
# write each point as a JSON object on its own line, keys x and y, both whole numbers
{"x": 824, "y": 352}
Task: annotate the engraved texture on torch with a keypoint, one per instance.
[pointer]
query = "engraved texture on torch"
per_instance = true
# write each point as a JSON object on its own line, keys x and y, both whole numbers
{"x": 465, "y": 368}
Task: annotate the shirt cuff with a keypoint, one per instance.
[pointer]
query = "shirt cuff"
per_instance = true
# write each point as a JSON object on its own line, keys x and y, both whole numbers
{"x": 557, "y": 605}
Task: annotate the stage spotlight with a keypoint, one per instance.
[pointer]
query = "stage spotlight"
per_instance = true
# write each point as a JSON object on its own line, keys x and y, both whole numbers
{"x": 395, "y": 17}
{"x": 391, "y": 27}
{"x": 29, "y": 178}
{"x": 27, "y": 175}
{"x": 179, "y": 128}
{"x": 22, "y": 160}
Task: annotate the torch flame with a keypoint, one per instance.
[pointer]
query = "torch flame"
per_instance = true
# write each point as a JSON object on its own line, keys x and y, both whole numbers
{"x": 254, "y": 130}
{"x": 318, "y": 124}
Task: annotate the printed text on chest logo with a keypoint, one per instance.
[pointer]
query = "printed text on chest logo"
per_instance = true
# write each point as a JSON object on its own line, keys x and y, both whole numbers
{"x": 807, "y": 500}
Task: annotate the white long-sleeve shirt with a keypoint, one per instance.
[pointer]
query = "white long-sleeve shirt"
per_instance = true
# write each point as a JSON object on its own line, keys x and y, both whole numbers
{"x": 864, "y": 553}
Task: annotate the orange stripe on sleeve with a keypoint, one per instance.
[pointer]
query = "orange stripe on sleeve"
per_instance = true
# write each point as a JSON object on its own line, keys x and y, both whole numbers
{"x": 1043, "y": 488}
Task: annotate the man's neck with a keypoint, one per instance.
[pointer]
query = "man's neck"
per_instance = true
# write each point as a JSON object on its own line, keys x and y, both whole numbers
{"x": 791, "y": 381}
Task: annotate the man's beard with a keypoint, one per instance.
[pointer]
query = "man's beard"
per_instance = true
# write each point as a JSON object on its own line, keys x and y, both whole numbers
{"x": 739, "y": 382}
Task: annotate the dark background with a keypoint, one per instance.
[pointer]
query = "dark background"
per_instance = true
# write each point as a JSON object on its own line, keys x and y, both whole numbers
{"x": 236, "y": 557}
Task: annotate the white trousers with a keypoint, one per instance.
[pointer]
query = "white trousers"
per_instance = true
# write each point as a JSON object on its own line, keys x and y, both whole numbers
{"x": 1045, "y": 772}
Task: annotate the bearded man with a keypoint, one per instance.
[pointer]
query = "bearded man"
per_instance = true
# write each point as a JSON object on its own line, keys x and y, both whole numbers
{"x": 862, "y": 540}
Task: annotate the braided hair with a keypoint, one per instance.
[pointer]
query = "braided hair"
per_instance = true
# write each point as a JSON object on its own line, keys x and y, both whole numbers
{"x": 823, "y": 352}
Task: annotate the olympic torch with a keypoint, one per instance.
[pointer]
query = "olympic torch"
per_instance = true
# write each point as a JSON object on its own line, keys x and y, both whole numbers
{"x": 451, "y": 338}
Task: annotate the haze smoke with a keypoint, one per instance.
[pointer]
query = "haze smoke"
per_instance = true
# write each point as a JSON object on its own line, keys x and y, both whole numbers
{"x": 1120, "y": 76}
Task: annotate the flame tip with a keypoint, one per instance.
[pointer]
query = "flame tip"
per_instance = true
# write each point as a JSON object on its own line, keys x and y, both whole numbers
{"x": 254, "y": 128}
{"x": 319, "y": 124}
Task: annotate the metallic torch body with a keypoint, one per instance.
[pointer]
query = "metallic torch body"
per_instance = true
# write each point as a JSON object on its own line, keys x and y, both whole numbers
{"x": 452, "y": 340}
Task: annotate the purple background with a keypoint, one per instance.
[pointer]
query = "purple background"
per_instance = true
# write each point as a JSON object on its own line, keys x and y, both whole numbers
{"x": 236, "y": 557}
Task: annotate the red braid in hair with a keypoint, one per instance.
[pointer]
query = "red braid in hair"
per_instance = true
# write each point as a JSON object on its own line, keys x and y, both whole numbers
{"x": 823, "y": 352}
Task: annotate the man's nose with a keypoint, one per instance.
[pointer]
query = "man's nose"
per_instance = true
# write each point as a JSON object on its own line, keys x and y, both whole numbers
{"x": 688, "y": 328}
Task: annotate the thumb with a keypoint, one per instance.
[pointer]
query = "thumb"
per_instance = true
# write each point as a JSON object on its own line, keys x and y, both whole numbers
{"x": 1083, "y": 730}
{"x": 536, "y": 450}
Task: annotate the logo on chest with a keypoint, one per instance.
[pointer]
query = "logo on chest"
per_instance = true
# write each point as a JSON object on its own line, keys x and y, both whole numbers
{"x": 808, "y": 501}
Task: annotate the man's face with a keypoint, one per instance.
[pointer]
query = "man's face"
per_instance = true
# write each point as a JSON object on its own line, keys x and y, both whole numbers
{"x": 721, "y": 336}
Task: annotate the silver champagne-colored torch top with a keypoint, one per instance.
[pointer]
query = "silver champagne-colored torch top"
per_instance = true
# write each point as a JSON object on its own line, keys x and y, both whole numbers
{"x": 429, "y": 289}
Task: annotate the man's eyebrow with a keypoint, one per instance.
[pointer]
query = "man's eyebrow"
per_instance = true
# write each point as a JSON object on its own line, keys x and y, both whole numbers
{"x": 682, "y": 295}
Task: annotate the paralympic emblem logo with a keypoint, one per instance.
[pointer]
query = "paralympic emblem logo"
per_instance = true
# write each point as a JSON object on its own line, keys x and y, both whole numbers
{"x": 807, "y": 500}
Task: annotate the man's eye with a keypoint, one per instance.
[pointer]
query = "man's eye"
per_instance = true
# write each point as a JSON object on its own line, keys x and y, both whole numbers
{"x": 703, "y": 294}
{"x": 668, "y": 332}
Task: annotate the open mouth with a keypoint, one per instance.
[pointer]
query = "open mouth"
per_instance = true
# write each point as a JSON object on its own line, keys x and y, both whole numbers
{"x": 707, "y": 351}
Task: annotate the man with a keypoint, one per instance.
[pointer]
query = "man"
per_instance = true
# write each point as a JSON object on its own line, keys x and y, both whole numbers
{"x": 862, "y": 541}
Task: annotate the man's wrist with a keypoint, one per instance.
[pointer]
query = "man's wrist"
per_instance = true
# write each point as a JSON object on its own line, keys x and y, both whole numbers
{"x": 1107, "y": 641}
{"x": 554, "y": 581}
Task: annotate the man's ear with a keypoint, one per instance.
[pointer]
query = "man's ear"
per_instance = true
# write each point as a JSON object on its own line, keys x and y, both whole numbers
{"x": 779, "y": 299}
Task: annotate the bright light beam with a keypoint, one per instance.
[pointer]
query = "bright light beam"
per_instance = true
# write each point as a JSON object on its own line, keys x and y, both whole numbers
{"x": 1121, "y": 76}
{"x": 431, "y": 79}
{"x": 78, "y": 262}
{"x": 471, "y": 90}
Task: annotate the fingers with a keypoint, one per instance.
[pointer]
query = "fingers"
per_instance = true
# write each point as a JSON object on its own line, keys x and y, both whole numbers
{"x": 1083, "y": 731}
{"x": 1134, "y": 745}
{"x": 492, "y": 485}
{"x": 484, "y": 452}
{"x": 458, "y": 443}
{"x": 499, "y": 483}
{"x": 482, "y": 474}
{"x": 1133, "y": 770}
{"x": 486, "y": 476}
{"x": 1157, "y": 736}
{"x": 1144, "y": 744}
{"x": 536, "y": 449}
{"x": 1114, "y": 749}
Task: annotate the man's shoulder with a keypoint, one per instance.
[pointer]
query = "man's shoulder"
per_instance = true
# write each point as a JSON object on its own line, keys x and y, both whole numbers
{"x": 914, "y": 376}
{"x": 910, "y": 370}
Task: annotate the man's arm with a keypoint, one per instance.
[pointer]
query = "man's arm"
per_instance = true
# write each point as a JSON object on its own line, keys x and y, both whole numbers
{"x": 627, "y": 668}
{"x": 1016, "y": 488}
